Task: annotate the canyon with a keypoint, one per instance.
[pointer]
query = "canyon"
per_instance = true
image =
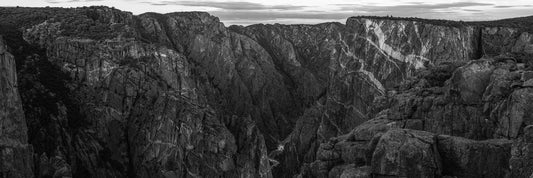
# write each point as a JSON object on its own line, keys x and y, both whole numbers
{"x": 99, "y": 92}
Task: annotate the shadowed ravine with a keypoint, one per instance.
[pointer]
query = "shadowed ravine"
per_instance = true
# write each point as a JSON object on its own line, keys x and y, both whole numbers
{"x": 98, "y": 92}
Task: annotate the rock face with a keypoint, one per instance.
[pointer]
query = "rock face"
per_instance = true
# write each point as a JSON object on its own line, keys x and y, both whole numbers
{"x": 349, "y": 65}
{"x": 508, "y": 41}
{"x": 144, "y": 101}
{"x": 110, "y": 94}
{"x": 15, "y": 152}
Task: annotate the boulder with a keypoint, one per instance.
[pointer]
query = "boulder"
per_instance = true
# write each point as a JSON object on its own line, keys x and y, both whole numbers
{"x": 406, "y": 153}
{"x": 470, "y": 81}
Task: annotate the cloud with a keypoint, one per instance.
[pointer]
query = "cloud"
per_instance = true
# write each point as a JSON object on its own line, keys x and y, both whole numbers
{"x": 228, "y": 5}
{"x": 452, "y": 11}
{"x": 69, "y": 1}
{"x": 268, "y": 15}
{"x": 417, "y": 7}
{"x": 504, "y": 7}
{"x": 244, "y": 13}
{"x": 247, "y": 12}
{"x": 472, "y": 10}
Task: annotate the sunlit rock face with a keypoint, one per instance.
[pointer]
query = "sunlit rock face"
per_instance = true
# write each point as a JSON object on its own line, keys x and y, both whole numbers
{"x": 15, "y": 152}
{"x": 110, "y": 94}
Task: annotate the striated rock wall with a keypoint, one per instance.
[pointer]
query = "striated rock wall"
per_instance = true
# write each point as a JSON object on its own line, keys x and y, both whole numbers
{"x": 352, "y": 63}
{"x": 377, "y": 55}
{"x": 16, "y": 154}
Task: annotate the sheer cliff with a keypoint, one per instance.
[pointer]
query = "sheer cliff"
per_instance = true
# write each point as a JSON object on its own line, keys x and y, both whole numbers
{"x": 104, "y": 93}
{"x": 16, "y": 153}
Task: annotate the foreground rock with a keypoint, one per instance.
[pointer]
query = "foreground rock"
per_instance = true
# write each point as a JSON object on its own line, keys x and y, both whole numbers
{"x": 448, "y": 99}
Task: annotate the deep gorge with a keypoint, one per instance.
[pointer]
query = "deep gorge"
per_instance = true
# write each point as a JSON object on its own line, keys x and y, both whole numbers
{"x": 99, "y": 92}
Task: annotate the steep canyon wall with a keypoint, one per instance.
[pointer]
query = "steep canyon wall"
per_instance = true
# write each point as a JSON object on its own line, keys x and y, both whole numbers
{"x": 109, "y": 94}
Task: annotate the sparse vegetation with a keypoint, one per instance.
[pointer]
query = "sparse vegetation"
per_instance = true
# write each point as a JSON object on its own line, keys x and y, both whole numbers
{"x": 84, "y": 22}
{"x": 521, "y": 23}
{"x": 524, "y": 24}
{"x": 428, "y": 21}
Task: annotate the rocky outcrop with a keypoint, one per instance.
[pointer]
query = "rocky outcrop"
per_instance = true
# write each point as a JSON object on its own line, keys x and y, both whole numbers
{"x": 469, "y": 97}
{"x": 16, "y": 154}
{"x": 470, "y": 81}
{"x": 461, "y": 105}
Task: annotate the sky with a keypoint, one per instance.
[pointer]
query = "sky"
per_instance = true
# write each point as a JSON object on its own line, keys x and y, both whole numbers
{"x": 246, "y": 12}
